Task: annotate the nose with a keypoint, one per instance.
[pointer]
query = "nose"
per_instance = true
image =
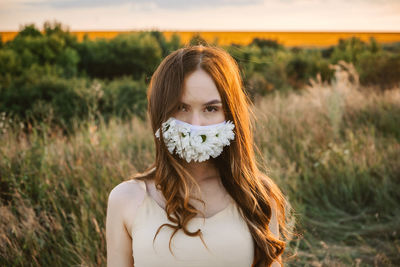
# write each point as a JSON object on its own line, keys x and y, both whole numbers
{"x": 195, "y": 119}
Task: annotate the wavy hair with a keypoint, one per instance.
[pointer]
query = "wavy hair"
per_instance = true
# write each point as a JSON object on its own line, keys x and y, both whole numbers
{"x": 252, "y": 190}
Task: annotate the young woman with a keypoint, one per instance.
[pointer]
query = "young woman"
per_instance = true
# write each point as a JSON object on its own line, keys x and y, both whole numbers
{"x": 203, "y": 202}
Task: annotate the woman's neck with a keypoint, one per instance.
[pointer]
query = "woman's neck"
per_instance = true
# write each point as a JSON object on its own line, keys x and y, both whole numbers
{"x": 208, "y": 178}
{"x": 202, "y": 171}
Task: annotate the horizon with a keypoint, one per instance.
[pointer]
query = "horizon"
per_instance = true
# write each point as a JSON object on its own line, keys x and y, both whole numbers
{"x": 286, "y": 38}
{"x": 39, "y": 27}
{"x": 216, "y": 15}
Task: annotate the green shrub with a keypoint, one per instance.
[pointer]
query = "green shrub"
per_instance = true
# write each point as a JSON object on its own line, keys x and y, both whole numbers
{"x": 132, "y": 54}
{"x": 47, "y": 98}
{"x": 124, "y": 97}
{"x": 304, "y": 65}
{"x": 382, "y": 69}
{"x": 62, "y": 101}
{"x": 348, "y": 50}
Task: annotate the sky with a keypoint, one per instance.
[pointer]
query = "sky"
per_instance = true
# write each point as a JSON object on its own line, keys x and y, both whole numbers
{"x": 205, "y": 15}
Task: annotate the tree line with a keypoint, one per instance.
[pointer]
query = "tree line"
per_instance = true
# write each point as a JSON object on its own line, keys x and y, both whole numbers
{"x": 48, "y": 75}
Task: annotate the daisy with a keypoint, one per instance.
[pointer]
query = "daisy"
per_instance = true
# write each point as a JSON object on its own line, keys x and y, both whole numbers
{"x": 196, "y": 143}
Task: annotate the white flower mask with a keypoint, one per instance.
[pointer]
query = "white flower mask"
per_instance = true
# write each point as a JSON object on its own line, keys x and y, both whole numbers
{"x": 197, "y": 143}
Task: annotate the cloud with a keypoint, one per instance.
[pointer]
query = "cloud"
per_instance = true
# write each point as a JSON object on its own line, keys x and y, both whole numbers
{"x": 267, "y": 15}
{"x": 146, "y": 4}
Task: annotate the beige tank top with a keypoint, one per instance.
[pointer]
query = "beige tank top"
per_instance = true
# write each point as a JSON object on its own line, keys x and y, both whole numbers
{"x": 226, "y": 235}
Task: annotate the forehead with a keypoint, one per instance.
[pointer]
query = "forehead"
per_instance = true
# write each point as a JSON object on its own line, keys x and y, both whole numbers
{"x": 199, "y": 87}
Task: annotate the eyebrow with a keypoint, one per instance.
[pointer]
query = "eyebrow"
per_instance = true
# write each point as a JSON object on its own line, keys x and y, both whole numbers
{"x": 215, "y": 101}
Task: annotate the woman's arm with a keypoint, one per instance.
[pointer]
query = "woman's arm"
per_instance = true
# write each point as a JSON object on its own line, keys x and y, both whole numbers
{"x": 119, "y": 242}
{"x": 274, "y": 228}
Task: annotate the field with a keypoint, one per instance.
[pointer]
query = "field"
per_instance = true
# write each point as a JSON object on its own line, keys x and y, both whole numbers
{"x": 333, "y": 149}
{"x": 306, "y": 39}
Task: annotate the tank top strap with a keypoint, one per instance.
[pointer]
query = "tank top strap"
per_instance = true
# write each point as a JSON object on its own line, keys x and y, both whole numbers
{"x": 147, "y": 209}
{"x": 149, "y": 202}
{"x": 142, "y": 185}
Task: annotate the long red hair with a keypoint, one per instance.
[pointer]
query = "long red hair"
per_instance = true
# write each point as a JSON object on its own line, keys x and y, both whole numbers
{"x": 252, "y": 190}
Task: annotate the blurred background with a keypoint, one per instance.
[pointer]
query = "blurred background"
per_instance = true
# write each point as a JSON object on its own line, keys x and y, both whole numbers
{"x": 324, "y": 77}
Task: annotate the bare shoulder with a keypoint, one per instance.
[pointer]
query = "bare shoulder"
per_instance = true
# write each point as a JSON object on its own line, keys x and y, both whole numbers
{"x": 123, "y": 202}
{"x": 126, "y": 197}
{"x": 126, "y": 190}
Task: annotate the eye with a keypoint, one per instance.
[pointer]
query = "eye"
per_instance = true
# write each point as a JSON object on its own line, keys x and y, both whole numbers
{"x": 211, "y": 108}
{"x": 181, "y": 108}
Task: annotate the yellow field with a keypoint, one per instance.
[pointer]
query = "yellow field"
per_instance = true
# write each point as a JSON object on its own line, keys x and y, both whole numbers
{"x": 225, "y": 38}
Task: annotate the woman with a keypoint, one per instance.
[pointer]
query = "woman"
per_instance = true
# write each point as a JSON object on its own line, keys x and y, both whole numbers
{"x": 203, "y": 202}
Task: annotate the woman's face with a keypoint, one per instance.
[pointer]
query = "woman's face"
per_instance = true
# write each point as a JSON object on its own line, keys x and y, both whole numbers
{"x": 201, "y": 102}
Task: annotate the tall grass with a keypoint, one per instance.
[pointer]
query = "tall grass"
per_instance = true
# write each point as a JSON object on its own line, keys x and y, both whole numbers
{"x": 54, "y": 190}
{"x": 336, "y": 152}
{"x": 333, "y": 149}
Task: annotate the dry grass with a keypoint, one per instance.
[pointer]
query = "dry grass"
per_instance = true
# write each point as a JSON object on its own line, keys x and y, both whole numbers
{"x": 333, "y": 149}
